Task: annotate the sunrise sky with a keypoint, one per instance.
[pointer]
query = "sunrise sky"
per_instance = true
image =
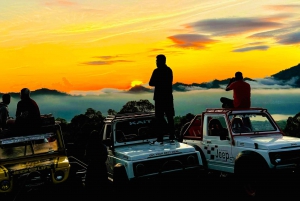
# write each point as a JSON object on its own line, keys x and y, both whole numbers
{"x": 71, "y": 45}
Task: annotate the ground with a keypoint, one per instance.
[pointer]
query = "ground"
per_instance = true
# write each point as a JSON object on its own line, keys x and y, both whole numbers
{"x": 201, "y": 186}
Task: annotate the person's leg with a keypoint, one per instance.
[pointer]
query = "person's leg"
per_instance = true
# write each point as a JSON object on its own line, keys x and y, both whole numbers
{"x": 170, "y": 113}
{"x": 227, "y": 103}
{"x": 159, "y": 115}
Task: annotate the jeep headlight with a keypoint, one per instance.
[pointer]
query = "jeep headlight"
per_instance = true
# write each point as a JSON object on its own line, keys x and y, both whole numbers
{"x": 191, "y": 160}
{"x": 277, "y": 158}
{"x": 59, "y": 175}
{"x": 5, "y": 185}
{"x": 140, "y": 169}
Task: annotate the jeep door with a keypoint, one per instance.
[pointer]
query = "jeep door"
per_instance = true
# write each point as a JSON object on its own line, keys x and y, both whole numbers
{"x": 216, "y": 144}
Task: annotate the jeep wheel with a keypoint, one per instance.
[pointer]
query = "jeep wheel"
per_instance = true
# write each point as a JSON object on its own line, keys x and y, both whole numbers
{"x": 251, "y": 174}
{"x": 250, "y": 187}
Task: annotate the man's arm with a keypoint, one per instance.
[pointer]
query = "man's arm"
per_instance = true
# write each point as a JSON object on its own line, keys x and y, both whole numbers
{"x": 18, "y": 112}
{"x": 153, "y": 79}
{"x": 228, "y": 86}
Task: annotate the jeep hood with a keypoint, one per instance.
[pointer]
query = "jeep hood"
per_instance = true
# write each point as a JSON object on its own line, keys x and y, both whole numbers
{"x": 144, "y": 151}
{"x": 35, "y": 165}
{"x": 267, "y": 142}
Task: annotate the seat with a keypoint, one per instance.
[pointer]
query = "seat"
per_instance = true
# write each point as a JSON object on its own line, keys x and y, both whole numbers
{"x": 194, "y": 130}
{"x": 120, "y": 137}
{"x": 238, "y": 126}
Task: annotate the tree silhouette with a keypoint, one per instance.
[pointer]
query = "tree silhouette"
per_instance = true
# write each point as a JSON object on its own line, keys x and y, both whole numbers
{"x": 137, "y": 106}
{"x": 80, "y": 128}
{"x": 111, "y": 112}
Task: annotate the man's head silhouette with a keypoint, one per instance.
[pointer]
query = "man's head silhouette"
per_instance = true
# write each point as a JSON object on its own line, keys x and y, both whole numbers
{"x": 6, "y": 99}
{"x": 25, "y": 93}
{"x": 238, "y": 76}
{"x": 160, "y": 60}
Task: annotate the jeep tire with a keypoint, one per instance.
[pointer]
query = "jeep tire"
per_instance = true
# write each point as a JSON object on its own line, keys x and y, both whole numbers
{"x": 251, "y": 174}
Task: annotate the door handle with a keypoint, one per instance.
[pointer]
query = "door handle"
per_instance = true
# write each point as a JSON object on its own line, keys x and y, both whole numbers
{"x": 208, "y": 141}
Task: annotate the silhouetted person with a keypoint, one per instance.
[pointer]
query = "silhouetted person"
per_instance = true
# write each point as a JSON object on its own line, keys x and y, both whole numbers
{"x": 241, "y": 93}
{"x": 28, "y": 112}
{"x": 4, "y": 113}
{"x": 96, "y": 174}
{"x": 162, "y": 79}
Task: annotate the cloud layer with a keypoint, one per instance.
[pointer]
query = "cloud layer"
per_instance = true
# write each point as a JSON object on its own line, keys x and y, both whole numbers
{"x": 195, "y": 41}
{"x": 233, "y": 26}
{"x": 277, "y": 101}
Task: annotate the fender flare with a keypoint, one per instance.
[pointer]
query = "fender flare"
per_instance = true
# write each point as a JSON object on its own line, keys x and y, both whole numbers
{"x": 251, "y": 158}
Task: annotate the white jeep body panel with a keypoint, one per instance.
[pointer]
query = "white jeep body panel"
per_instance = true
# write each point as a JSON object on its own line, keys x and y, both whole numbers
{"x": 130, "y": 135}
{"x": 221, "y": 154}
{"x": 267, "y": 142}
{"x": 145, "y": 151}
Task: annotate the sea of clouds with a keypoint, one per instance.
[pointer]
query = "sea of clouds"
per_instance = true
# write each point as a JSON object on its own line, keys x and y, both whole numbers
{"x": 280, "y": 98}
{"x": 281, "y": 103}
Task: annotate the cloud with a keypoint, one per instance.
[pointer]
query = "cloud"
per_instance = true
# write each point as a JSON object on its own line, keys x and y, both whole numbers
{"x": 195, "y": 41}
{"x": 275, "y": 100}
{"x": 96, "y": 92}
{"x": 61, "y": 3}
{"x": 271, "y": 83}
{"x": 233, "y": 26}
{"x": 105, "y": 57}
{"x": 156, "y": 49}
{"x": 271, "y": 34}
{"x": 247, "y": 49}
{"x": 288, "y": 39}
{"x": 97, "y": 63}
{"x": 190, "y": 88}
{"x": 291, "y": 7}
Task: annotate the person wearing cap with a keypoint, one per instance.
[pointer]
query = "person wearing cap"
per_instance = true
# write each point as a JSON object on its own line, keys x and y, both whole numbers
{"x": 241, "y": 93}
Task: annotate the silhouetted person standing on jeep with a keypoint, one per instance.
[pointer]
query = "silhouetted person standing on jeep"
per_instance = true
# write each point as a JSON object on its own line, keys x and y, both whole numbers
{"x": 241, "y": 93}
{"x": 162, "y": 79}
{"x": 28, "y": 112}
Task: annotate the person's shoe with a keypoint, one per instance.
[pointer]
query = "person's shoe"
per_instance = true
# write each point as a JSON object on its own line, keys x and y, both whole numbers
{"x": 156, "y": 143}
{"x": 172, "y": 141}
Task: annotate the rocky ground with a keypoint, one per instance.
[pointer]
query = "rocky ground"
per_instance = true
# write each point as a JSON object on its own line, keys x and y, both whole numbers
{"x": 195, "y": 187}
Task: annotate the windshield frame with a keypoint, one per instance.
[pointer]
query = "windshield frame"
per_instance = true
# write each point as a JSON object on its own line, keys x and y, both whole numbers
{"x": 268, "y": 117}
{"x": 28, "y": 142}
{"x": 139, "y": 140}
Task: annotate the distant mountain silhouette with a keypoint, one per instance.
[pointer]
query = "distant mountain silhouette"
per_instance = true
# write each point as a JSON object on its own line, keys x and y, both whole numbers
{"x": 288, "y": 74}
{"x": 215, "y": 84}
{"x": 139, "y": 89}
{"x": 38, "y": 92}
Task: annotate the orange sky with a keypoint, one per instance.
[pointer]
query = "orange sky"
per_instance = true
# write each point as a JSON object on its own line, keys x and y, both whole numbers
{"x": 72, "y": 45}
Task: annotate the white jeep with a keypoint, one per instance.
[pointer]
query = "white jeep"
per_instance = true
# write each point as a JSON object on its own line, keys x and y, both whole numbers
{"x": 245, "y": 143}
{"x": 131, "y": 157}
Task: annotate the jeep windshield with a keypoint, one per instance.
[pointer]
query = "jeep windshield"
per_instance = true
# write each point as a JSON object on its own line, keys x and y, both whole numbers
{"x": 23, "y": 146}
{"x": 251, "y": 123}
{"x": 140, "y": 129}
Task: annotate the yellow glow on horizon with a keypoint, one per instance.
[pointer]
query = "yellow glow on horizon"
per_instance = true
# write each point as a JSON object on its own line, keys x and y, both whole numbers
{"x": 136, "y": 83}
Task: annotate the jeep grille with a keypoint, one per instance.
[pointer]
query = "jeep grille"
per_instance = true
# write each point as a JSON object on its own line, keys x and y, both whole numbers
{"x": 287, "y": 157}
{"x": 156, "y": 166}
